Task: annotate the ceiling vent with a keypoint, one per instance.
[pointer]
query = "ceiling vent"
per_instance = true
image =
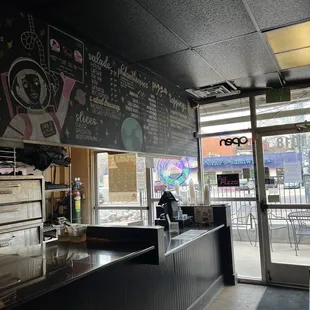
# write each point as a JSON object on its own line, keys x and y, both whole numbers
{"x": 213, "y": 91}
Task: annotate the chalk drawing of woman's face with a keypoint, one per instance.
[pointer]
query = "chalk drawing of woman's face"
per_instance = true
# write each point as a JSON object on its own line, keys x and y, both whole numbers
{"x": 32, "y": 87}
{"x": 29, "y": 84}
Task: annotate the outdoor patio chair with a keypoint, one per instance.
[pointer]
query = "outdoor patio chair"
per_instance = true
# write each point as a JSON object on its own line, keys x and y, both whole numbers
{"x": 273, "y": 216}
{"x": 300, "y": 222}
{"x": 244, "y": 218}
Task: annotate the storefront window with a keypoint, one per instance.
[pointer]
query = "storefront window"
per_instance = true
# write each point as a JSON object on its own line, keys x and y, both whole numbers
{"x": 131, "y": 217}
{"x": 169, "y": 174}
{"x": 229, "y": 155}
{"x": 286, "y": 172}
{"x": 225, "y": 116}
{"x": 121, "y": 179}
{"x": 296, "y": 110}
{"x": 287, "y": 161}
{"x": 121, "y": 187}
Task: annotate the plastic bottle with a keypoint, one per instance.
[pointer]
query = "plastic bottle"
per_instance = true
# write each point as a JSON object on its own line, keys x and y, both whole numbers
{"x": 180, "y": 213}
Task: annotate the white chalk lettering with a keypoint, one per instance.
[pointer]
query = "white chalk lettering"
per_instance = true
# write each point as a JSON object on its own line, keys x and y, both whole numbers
{"x": 104, "y": 101}
{"x": 159, "y": 89}
{"x": 101, "y": 62}
{"x": 177, "y": 104}
{"x": 81, "y": 118}
{"x": 123, "y": 71}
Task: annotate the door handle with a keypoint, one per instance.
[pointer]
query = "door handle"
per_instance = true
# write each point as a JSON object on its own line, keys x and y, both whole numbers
{"x": 10, "y": 185}
{"x": 6, "y": 242}
{"x": 10, "y": 211}
{"x": 6, "y": 192}
{"x": 263, "y": 206}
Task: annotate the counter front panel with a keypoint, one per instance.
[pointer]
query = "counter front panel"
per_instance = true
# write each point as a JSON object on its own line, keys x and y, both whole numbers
{"x": 93, "y": 278}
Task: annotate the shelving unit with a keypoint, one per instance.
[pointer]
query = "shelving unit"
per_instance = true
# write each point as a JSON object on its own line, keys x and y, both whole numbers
{"x": 53, "y": 172}
{"x": 8, "y": 156}
{"x": 55, "y": 190}
{"x": 21, "y": 224}
{"x": 47, "y": 229}
{"x": 8, "y": 160}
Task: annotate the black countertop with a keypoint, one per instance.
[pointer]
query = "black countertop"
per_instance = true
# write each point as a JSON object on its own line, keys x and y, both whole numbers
{"x": 65, "y": 263}
{"x": 176, "y": 241}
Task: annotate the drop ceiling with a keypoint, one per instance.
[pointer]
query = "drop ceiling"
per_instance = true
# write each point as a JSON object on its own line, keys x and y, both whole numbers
{"x": 193, "y": 44}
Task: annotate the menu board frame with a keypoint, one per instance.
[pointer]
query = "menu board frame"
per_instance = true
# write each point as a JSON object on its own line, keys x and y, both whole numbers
{"x": 44, "y": 98}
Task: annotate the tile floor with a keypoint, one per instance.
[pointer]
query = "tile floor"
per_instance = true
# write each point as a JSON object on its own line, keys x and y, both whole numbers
{"x": 239, "y": 297}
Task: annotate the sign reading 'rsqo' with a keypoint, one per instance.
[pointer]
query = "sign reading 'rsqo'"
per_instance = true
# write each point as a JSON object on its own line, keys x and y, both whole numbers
{"x": 228, "y": 180}
{"x": 236, "y": 141}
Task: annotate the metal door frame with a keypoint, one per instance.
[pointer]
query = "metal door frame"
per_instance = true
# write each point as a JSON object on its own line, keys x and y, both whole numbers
{"x": 251, "y": 131}
{"x": 258, "y": 158}
{"x": 275, "y": 273}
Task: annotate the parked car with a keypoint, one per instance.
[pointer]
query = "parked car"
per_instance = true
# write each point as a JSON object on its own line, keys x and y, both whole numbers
{"x": 271, "y": 184}
{"x": 159, "y": 186}
{"x": 291, "y": 185}
{"x": 246, "y": 185}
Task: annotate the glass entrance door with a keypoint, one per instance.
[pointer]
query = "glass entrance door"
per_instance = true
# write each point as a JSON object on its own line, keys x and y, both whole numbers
{"x": 236, "y": 159}
{"x": 284, "y": 191}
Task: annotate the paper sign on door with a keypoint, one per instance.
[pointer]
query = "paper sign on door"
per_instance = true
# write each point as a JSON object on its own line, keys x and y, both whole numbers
{"x": 273, "y": 198}
{"x": 292, "y": 172}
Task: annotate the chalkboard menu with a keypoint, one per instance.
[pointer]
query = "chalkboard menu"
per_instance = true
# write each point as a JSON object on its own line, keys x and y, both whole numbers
{"x": 56, "y": 88}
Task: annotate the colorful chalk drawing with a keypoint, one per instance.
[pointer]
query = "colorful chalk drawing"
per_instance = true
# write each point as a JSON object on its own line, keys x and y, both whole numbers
{"x": 172, "y": 170}
{"x": 132, "y": 135}
{"x": 29, "y": 40}
{"x": 32, "y": 85}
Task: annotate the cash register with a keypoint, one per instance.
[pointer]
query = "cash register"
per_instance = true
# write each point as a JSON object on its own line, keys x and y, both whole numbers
{"x": 169, "y": 205}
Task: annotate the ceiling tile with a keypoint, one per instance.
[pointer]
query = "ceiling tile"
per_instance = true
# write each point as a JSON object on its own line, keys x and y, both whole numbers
{"x": 297, "y": 75}
{"x": 151, "y": 73}
{"x": 275, "y": 13}
{"x": 199, "y": 22}
{"x": 293, "y": 59}
{"x": 237, "y": 58}
{"x": 122, "y": 25}
{"x": 259, "y": 81}
{"x": 185, "y": 69}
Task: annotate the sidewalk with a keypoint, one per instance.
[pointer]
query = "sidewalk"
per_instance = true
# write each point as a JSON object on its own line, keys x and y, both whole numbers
{"x": 247, "y": 258}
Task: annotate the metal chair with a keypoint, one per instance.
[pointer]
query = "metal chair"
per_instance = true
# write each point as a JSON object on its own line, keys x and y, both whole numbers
{"x": 244, "y": 218}
{"x": 272, "y": 217}
{"x": 300, "y": 222}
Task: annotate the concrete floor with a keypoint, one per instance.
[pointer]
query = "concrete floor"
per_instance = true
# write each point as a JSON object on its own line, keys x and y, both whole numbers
{"x": 247, "y": 257}
{"x": 239, "y": 297}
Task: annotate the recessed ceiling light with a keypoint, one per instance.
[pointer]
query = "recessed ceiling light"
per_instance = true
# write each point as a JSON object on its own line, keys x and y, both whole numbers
{"x": 291, "y": 45}
{"x": 289, "y": 38}
{"x": 292, "y": 59}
